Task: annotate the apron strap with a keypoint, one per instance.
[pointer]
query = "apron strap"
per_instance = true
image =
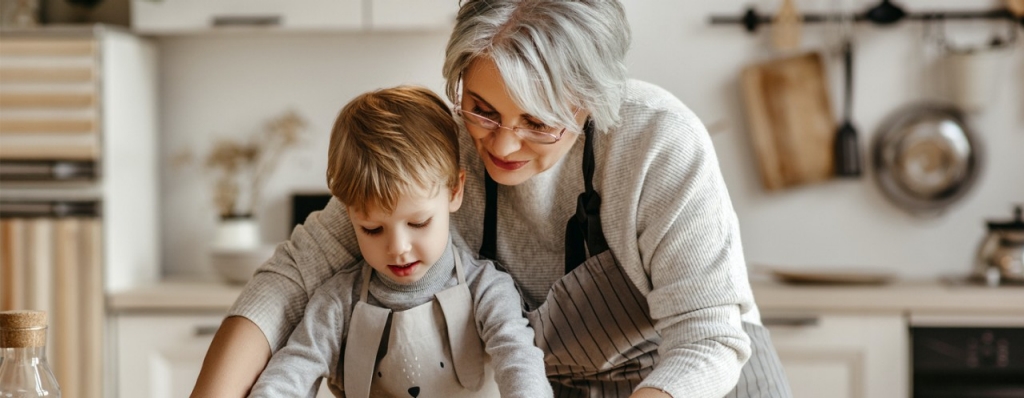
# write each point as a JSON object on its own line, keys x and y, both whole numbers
{"x": 458, "y": 267}
{"x": 583, "y": 232}
{"x": 367, "y": 271}
{"x": 489, "y": 247}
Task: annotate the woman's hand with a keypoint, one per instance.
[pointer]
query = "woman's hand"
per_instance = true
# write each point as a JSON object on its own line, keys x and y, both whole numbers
{"x": 649, "y": 393}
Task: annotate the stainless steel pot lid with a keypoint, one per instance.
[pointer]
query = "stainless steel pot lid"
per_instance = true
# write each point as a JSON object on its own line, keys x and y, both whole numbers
{"x": 926, "y": 157}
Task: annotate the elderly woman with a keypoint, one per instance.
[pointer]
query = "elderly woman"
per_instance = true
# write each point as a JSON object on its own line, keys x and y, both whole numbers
{"x": 600, "y": 195}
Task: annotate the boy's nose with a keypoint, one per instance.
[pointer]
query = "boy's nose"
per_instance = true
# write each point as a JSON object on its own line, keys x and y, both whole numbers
{"x": 399, "y": 245}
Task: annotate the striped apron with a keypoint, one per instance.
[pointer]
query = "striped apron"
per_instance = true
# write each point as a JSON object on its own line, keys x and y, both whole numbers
{"x": 595, "y": 327}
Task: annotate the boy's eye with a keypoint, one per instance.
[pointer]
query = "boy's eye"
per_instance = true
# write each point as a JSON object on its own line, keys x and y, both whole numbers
{"x": 375, "y": 231}
{"x": 422, "y": 224}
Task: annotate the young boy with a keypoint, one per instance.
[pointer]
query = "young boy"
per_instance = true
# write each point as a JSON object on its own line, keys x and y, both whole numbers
{"x": 409, "y": 321}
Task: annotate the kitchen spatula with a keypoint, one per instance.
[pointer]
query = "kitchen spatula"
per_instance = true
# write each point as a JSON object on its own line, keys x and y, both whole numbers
{"x": 847, "y": 149}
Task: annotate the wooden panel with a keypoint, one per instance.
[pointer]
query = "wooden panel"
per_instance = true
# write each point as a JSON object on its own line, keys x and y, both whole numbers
{"x": 39, "y": 100}
{"x": 66, "y": 320}
{"x": 51, "y": 126}
{"x": 790, "y": 120}
{"x": 45, "y": 75}
{"x": 47, "y": 47}
{"x": 12, "y": 265}
{"x": 48, "y": 152}
{"x": 93, "y": 314}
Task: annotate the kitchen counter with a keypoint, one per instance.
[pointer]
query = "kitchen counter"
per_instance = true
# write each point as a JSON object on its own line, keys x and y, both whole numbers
{"x": 175, "y": 295}
{"x": 921, "y": 296}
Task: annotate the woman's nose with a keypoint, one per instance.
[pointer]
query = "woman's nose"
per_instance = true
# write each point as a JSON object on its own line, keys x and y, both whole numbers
{"x": 505, "y": 142}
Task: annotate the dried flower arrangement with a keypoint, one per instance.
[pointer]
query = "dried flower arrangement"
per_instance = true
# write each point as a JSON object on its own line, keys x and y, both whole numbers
{"x": 241, "y": 168}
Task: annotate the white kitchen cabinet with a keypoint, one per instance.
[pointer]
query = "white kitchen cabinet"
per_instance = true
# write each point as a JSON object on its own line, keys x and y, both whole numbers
{"x": 202, "y": 16}
{"x": 840, "y": 355}
{"x": 159, "y": 356}
{"x": 194, "y": 16}
{"x": 412, "y": 14}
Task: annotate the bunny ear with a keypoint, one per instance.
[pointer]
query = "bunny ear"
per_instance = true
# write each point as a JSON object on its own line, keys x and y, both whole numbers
{"x": 358, "y": 366}
{"x": 467, "y": 348}
{"x": 366, "y": 327}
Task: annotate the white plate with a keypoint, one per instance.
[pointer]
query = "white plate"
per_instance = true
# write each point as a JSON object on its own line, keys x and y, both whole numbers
{"x": 860, "y": 276}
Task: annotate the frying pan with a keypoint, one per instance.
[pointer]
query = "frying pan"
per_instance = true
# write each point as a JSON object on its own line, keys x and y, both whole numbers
{"x": 926, "y": 157}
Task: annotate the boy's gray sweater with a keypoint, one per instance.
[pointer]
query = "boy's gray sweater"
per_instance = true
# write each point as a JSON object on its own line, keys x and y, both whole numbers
{"x": 314, "y": 348}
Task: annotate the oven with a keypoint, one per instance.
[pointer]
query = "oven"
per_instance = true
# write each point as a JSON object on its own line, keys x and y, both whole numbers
{"x": 975, "y": 359}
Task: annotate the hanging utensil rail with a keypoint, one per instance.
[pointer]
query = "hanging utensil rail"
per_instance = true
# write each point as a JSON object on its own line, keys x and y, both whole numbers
{"x": 751, "y": 19}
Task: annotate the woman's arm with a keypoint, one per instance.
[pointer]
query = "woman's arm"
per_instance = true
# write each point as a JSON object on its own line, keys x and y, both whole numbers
{"x": 313, "y": 348}
{"x": 235, "y": 359}
{"x": 273, "y": 302}
{"x": 684, "y": 252}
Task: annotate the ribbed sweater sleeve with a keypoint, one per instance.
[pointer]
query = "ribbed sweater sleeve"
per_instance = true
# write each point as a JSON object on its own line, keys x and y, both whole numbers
{"x": 688, "y": 242}
{"x": 314, "y": 347}
{"x": 276, "y": 296}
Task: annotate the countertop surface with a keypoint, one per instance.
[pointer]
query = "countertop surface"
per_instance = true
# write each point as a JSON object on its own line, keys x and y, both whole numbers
{"x": 934, "y": 296}
{"x": 923, "y": 296}
{"x": 175, "y": 295}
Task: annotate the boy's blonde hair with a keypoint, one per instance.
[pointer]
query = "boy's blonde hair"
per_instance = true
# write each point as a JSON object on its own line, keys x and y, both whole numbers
{"x": 389, "y": 142}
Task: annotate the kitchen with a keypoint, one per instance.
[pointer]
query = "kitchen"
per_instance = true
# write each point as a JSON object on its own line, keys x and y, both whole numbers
{"x": 211, "y": 83}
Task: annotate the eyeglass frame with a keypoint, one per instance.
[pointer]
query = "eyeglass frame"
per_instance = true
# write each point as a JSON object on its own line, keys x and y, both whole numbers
{"x": 515, "y": 129}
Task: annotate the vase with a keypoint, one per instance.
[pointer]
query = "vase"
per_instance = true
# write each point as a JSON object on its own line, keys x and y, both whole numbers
{"x": 237, "y": 233}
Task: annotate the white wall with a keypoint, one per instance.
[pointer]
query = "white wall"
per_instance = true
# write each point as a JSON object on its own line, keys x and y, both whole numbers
{"x": 230, "y": 84}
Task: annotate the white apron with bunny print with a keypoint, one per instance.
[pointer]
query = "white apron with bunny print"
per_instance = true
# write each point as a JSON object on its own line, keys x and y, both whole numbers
{"x": 431, "y": 350}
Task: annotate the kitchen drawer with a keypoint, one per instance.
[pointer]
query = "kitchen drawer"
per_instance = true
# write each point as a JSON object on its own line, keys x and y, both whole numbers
{"x": 840, "y": 355}
{"x": 159, "y": 356}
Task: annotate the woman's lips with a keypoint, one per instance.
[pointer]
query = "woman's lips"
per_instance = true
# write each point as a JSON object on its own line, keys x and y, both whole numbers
{"x": 510, "y": 166}
{"x": 404, "y": 269}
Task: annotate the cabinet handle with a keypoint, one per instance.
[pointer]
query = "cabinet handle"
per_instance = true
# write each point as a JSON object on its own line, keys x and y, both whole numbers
{"x": 792, "y": 321}
{"x": 246, "y": 20}
{"x": 206, "y": 330}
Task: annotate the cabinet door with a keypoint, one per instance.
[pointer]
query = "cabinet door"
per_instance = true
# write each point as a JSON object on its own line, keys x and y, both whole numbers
{"x": 191, "y": 16}
{"x": 159, "y": 356}
{"x": 843, "y": 356}
{"x": 436, "y": 15}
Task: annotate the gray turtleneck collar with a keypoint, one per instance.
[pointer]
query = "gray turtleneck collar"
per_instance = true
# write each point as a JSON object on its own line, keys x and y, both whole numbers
{"x": 400, "y": 297}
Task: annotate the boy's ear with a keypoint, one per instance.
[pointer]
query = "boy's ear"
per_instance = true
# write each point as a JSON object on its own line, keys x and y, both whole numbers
{"x": 456, "y": 201}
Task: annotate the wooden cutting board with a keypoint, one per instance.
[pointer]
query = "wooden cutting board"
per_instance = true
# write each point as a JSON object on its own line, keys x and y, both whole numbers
{"x": 790, "y": 120}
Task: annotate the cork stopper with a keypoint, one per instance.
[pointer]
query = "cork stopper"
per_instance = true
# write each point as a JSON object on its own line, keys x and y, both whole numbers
{"x": 19, "y": 329}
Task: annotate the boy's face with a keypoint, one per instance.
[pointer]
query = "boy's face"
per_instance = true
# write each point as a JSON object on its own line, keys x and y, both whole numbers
{"x": 403, "y": 245}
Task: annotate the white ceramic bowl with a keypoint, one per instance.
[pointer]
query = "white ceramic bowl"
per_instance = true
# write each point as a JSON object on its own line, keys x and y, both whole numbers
{"x": 238, "y": 265}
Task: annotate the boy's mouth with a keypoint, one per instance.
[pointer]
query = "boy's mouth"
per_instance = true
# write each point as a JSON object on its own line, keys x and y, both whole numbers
{"x": 403, "y": 269}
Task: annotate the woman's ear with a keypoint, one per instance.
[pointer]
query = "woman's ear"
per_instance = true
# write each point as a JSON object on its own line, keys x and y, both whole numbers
{"x": 456, "y": 200}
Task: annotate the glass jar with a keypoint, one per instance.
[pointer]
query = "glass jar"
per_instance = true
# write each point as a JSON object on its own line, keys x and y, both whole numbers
{"x": 24, "y": 371}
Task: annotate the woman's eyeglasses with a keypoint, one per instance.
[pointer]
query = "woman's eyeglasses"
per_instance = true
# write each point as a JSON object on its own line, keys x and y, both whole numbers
{"x": 548, "y": 135}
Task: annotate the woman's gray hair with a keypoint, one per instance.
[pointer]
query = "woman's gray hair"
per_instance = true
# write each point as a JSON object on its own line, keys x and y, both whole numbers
{"x": 554, "y": 55}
